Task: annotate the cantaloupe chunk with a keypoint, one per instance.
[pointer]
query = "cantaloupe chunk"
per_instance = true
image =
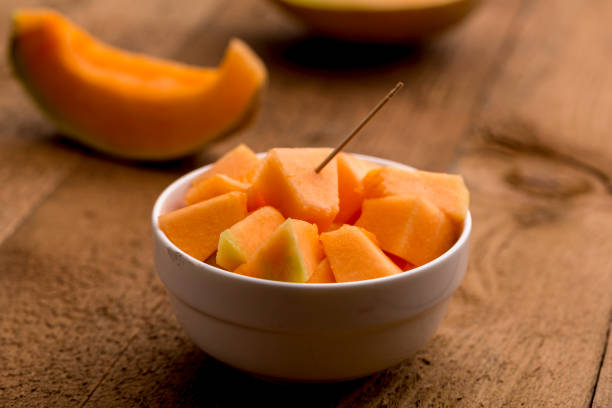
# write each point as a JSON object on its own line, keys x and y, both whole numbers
{"x": 447, "y": 191}
{"x": 240, "y": 163}
{"x": 238, "y": 243}
{"x": 353, "y": 256}
{"x": 213, "y": 186}
{"x": 288, "y": 182}
{"x": 195, "y": 229}
{"x": 323, "y": 273}
{"x": 408, "y": 226}
{"x": 351, "y": 171}
{"x": 290, "y": 254}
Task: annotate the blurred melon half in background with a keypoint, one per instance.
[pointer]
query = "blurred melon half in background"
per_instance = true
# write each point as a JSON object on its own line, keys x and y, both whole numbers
{"x": 379, "y": 21}
{"x": 126, "y": 104}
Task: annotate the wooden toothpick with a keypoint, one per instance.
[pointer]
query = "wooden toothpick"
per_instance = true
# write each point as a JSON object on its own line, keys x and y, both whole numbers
{"x": 350, "y": 137}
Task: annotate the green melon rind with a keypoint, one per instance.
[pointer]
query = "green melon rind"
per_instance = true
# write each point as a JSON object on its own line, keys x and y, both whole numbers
{"x": 20, "y": 71}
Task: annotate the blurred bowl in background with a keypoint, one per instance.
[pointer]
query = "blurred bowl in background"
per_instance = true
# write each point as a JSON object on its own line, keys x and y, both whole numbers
{"x": 379, "y": 21}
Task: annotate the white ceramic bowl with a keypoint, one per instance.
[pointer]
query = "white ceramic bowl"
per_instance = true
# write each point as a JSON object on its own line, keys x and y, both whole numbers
{"x": 300, "y": 331}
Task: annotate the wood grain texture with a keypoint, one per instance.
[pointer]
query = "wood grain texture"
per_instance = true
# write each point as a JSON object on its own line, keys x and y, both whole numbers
{"x": 603, "y": 392}
{"x": 515, "y": 100}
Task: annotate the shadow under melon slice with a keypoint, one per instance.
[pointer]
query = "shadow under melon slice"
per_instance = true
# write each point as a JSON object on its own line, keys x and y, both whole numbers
{"x": 353, "y": 256}
{"x": 290, "y": 254}
{"x": 238, "y": 243}
{"x": 195, "y": 229}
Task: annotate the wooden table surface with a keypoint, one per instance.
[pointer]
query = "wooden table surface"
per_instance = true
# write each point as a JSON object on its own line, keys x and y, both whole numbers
{"x": 518, "y": 100}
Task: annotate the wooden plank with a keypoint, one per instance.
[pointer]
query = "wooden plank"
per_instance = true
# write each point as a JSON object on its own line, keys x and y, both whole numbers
{"x": 546, "y": 119}
{"x": 603, "y": 390}
{"x": 76, "y": 283}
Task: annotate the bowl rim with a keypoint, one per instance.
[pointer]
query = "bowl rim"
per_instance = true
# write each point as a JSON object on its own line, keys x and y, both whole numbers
{"x": 302, "y": 286}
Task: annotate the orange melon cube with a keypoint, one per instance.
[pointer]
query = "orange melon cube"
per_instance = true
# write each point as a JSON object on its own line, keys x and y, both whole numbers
{"x": 195, "y": 229}
{"x": 353, "y": 256}
{"x": 290, "y": 254}
{"x": 447, "y": 191}
{"x": 323, "y": 273}
{"x": 288, "y": 182}
{"x": 240, "y": 163}
{"x": 238, "y": 243}
{"x": 408, "y": 226}
{"x": 351, "y": 171}
{"x": 213, "y": 186}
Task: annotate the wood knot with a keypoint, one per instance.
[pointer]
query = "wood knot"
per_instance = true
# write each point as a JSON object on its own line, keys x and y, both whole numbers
{"x": 547, "y": 178}
{"x": 534, "y": 216}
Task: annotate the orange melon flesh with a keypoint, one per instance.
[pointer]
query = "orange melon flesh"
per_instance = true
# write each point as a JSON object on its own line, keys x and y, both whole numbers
{"x": 127, "y": 104}
{"x": 240, "y": 164}
{"x": 354, "y": 257}
{"x": 290, "y": 254}
{"x": 323, "y": 273}
{"x": 408, "y": 226}
{"x": 195, "y": 229}
{"x": 288, "y": 182}
{"x": 447, "y": 191}
{"x": 351, "y": 171}
{"x": 238, "y": 243}
{"x": 213, "y": 186}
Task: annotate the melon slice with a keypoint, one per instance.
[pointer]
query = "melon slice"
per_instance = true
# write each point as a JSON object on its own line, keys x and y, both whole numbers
{"x": 213, "y": 186}
{"x": 323, "y": 273}
{"x": 195, "y": 229}
{"x": 238, "y": 243}
{"x": 126, "y": 104}
{"x": 412, "y": 228}
{"x": 447, "y": 191}
{"x": 351, "y": 171}
{"x": 240, "y": 163}
{"x": 353, "y": 256}
{"x": 290, "y": 254}
{"x": 288, "y": 182}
